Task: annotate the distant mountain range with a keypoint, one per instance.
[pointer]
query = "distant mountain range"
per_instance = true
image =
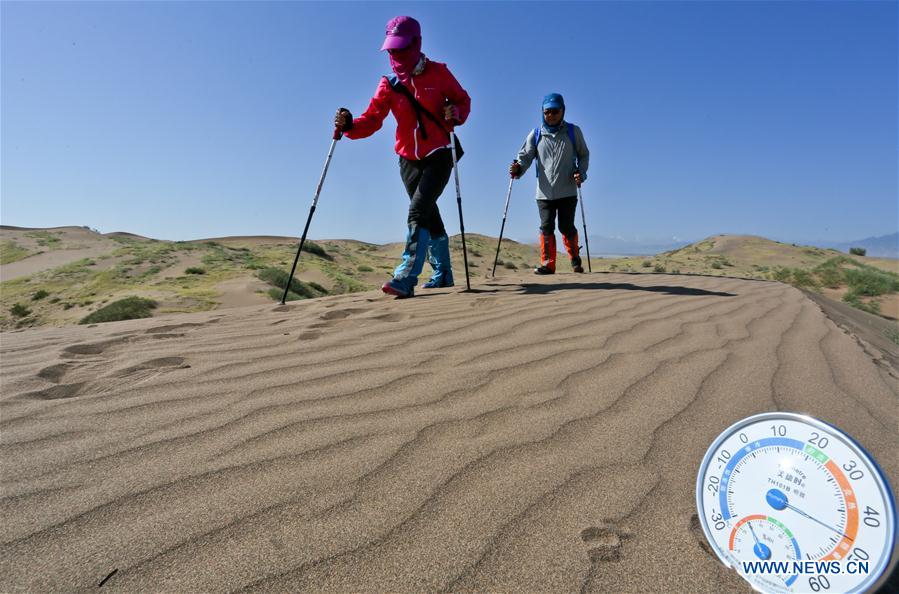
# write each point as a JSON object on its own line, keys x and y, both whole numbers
{"x": 885, "y": 246}
{"x": 620, "y": 246}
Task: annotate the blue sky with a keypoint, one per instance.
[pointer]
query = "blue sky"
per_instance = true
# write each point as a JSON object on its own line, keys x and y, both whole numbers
{"x": 184, "y": 120}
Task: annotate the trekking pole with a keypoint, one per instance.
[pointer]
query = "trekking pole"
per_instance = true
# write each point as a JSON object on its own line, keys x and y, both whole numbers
{"x": 459, "y": 202}
{"x": 503, "y": 226}
{"x": 337, "y": 135}
{"x": 580, "y": 199}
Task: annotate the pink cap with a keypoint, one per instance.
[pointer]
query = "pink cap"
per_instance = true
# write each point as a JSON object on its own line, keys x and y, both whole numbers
{"x": 401, "y": 31}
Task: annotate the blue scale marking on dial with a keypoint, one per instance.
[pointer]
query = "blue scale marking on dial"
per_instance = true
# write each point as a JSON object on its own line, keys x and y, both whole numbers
{"x": 743, "y": 452}
{"x": 792, "y": 579}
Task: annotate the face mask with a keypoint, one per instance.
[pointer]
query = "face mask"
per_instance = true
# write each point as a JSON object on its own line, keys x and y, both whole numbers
{"x": 404, "y": 61}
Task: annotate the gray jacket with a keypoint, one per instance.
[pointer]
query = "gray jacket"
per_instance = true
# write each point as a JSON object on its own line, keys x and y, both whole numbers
{"x": 556, "y": 165}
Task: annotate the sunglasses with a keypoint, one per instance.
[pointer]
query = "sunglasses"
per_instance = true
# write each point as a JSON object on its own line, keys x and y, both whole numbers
{"x": 552, "y": 111}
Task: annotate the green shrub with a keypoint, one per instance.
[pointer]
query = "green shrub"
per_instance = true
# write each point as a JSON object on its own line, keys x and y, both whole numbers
{"x": 782, "y": 274}
{"x": 647, "y": 263}
{"x": 364, "y": 268}
{"x": 11, "y": 252}
{"x": 716, "y": 265}
{"x": 195, "y": 270}
{"x": 892, "y": 334}
{"x": 871, "y": 281}
{"x": 803, "y": 278}
{"x": 44, "y": 238}
{"x": 858, "y": 251}
{"x": 855, "y": 301}
{"x": 278, "y": 279}
{"x": 39, "y": 294}
{"x": 510, "y": 265}
{"x": 659, "y": 268}
{"x": 19, "y": 310}
{"x": 314, "y": 248}
{"x": 276, "y": 295}
{"x": 830, "y": 276}
{"x": 129, "y": 308}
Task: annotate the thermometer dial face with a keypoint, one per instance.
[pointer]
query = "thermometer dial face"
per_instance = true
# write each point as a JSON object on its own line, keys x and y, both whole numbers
{"x": 782, "y": 487}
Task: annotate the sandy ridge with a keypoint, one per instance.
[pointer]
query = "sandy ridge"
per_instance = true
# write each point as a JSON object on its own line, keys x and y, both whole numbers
{"x": 534, "y": 435}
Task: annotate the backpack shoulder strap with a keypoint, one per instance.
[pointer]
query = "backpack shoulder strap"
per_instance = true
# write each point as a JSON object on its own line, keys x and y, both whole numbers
{"x": 536, "y": 152}
{"x": 419, "y": 109}
{"x": 577, "y": 163}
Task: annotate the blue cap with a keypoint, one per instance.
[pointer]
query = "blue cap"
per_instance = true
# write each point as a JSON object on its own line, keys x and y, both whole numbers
{"x": 553, "y": 101}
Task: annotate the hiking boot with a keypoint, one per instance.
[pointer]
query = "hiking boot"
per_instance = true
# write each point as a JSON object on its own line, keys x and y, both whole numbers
{"x": 399, "y": 289}
{"x": 405, "y": 276}
{"x": 439, "y": 281}
{"x": 439, "y": 258}
{"x": 547, "y": 254}
{"x": 574, "y": 251}
{"x": 576, "y": 264}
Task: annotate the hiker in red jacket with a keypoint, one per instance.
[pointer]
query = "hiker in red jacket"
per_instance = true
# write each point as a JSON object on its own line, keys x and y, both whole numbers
{"x": 422, "y": 142}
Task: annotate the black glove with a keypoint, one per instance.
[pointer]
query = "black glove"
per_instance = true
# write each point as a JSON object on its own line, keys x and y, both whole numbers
{"x": 348, "y": 118}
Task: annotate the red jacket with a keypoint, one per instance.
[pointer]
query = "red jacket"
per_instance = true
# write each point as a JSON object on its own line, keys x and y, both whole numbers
{"x": 431, "y": 87}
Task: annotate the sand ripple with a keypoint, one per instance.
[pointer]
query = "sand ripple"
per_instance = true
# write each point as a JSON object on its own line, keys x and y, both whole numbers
{"x": 535, "y": 435}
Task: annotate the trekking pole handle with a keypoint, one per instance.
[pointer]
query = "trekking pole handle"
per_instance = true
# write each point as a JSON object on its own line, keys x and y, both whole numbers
{"x": 338, "y": 133}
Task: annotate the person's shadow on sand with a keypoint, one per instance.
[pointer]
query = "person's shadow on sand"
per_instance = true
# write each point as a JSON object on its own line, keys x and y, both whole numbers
{"x": 541, "y": 289}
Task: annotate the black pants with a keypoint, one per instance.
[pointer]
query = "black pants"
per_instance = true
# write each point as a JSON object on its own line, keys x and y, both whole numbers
{"x": 425, "y": 180}
{"x": 565, "y": 207}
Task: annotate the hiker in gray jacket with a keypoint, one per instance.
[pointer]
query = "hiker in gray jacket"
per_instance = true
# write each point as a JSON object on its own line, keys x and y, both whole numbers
{"x": 562, "y": 161}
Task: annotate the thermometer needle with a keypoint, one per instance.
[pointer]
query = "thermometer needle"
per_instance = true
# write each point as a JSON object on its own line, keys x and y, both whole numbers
{"x": 760, "y": 549}
{"x": 778, "y": 500}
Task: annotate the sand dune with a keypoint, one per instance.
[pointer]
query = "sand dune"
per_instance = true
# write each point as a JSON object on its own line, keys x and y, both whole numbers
{"x": 538, "y": 434}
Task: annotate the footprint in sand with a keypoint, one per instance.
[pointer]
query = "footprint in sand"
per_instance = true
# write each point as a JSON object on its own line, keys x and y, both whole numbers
{"x": 483, "y": 302}
{"x": 696, "y": 530}
{"x": 605, "y": 541}
{"x": 170, "y": 335}
{"x": 54, "y": 392}
{"x": 55, "y": 373}
{"x": 330, "y": 318}
{"x": 160, "y": 364}
{"x": 391, "y": 317}
{"x": 170, "y": 327}
{"x": 339, "y": 314}
{"x": 95, "y": 348}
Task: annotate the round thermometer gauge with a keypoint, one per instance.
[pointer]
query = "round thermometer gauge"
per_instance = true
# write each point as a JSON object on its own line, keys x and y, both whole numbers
{"x": 796, "y": 505}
